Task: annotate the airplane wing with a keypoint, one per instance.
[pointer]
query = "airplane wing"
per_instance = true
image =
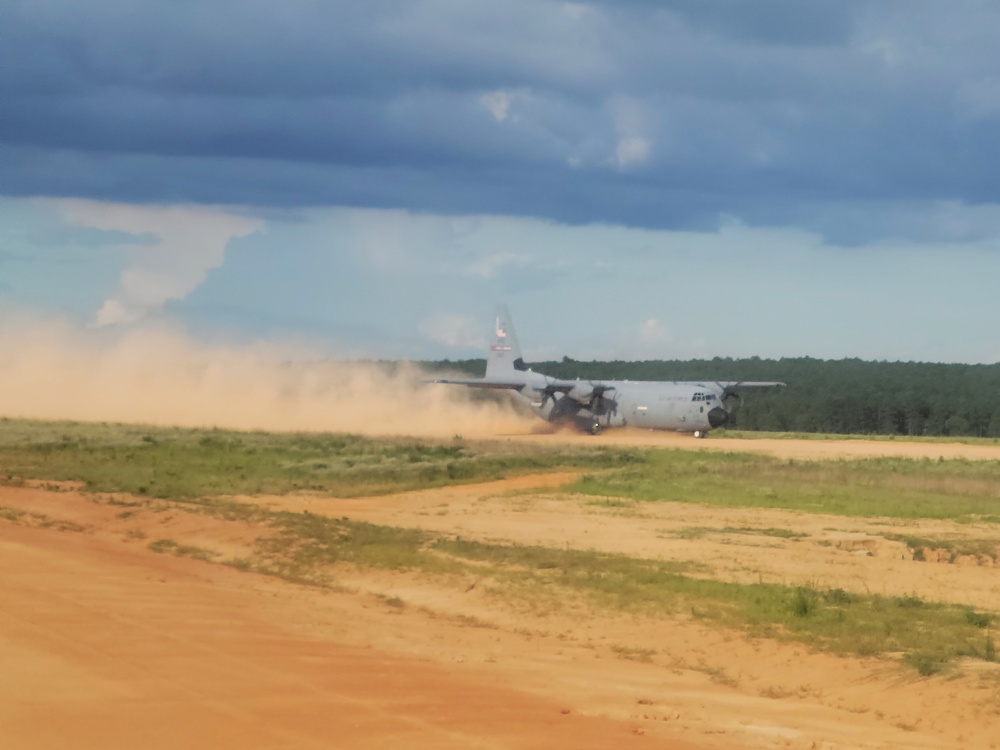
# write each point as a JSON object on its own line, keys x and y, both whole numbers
{"x": 497, "y": 383}
{"x": 730, "y": 387}
{"x": 751, "y": 384}
{"x": 583, "y": 391}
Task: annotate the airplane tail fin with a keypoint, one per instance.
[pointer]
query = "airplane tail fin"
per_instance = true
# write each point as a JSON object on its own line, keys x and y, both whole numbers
{"x": 504, "y": 357}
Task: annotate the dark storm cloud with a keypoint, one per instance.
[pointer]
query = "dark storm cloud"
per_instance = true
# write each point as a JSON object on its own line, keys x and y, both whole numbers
{"x": 644, "y": 113}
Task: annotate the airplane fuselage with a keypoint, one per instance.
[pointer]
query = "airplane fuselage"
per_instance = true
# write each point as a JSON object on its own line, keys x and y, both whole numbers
{"x": 657, "y": 405}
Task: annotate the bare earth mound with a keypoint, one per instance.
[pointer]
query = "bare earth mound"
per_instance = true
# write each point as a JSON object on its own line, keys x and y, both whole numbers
{"x": 108, "y": 644}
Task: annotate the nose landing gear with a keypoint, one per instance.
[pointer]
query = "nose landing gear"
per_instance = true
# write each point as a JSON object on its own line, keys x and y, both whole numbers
{"x": 590, "y": 426}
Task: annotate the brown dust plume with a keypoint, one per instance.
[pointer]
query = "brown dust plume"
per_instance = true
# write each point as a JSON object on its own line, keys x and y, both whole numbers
{"x": 55, "y": 370}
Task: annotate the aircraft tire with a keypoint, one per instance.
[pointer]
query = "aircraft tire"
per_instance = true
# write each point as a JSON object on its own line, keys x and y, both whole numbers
{"x": 595, "y": 428}
{"x": 701, "y": 433}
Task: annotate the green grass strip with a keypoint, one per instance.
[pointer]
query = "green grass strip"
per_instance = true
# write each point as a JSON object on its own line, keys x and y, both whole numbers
{"x": 181, "y": 463}
{"x": 886, "y": 487}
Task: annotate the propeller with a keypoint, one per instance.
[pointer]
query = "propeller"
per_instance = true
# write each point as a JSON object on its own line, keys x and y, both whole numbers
{"x": 592, "y": 402}
{"x": 729, "y": 402}
{"x": 728, "y": 392}
{"x": 601, "y": 404}
{"x": 561, "y": 407}
{"x": 548, "y": 393}
{"x": 595, "y": 398}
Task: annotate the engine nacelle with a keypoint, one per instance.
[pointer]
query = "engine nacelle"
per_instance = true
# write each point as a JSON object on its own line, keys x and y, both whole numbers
{"x": 583, "y": 393}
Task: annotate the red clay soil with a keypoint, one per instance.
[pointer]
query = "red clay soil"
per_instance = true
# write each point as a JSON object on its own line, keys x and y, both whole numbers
{"x": 105, "y": 646}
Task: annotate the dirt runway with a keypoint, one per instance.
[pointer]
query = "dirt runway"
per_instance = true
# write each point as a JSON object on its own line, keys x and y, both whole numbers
{"x": 781, "y": 448}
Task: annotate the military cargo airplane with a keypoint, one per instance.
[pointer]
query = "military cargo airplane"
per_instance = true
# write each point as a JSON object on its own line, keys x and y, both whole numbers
{"x": 592, "y": 406}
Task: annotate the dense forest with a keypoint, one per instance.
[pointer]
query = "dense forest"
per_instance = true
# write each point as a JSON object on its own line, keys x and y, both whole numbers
{"x": 832, "y": 396}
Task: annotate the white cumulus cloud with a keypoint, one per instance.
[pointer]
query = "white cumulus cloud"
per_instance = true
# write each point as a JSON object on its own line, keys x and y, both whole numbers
{"x": 187, "y": 242}
{"x": 497, "y": 103}
{"x": 633, "y": 148}
{"x": 631, "y": 152}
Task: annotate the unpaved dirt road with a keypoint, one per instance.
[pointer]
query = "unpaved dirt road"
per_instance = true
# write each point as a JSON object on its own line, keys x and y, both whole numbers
{"x": 107, "y": 644}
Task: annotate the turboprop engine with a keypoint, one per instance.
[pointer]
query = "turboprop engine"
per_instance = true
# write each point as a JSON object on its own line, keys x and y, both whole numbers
{"x": 583, "y": 393}
{"x": 588, "y": 393}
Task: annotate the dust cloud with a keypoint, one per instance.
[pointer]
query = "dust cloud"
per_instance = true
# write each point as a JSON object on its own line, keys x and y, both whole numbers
{"x": 157, "y": 375}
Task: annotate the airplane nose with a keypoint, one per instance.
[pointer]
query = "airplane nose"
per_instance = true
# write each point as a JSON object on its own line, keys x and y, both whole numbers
{"x": 718, "y": 416}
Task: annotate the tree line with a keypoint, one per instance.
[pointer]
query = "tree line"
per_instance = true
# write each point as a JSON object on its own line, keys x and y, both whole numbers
{"x": 846, "y": 396}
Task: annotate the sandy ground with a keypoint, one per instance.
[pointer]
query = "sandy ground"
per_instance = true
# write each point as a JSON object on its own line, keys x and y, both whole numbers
{"x": 792, "y": 448}
{"x": 107, "y": 644}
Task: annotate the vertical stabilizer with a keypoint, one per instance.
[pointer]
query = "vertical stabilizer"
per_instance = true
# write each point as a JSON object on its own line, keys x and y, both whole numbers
{"x": 504, "y": 358}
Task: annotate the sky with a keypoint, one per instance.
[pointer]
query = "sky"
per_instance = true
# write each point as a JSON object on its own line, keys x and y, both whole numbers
{"x": 635, "y": 180}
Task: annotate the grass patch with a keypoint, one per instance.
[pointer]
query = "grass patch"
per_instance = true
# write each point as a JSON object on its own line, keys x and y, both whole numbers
{"x": 10, "y": 514}
{"x": 926, "y": 663}
{"x": 954, "y": 547}
{"x": 699, "y": 532}
{"x": 187, "y": 464}
{"x": 182, "y": 550}
{"x": 925, "y": 439}
{"x": 832, "y": 620}
{"x": 39, "y": 520}
{"x": 180, "y": 463}
{"x": 634, "y": 653}
{"x": 612, "y": 502}
{"x": 394, "y": 602}
{"x": 890, "y": 487}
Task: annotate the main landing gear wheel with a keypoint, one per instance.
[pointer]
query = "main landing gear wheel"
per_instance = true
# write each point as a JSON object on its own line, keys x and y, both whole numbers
{"x": 701, "y": 433}
{"x": 595, "y": 428}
